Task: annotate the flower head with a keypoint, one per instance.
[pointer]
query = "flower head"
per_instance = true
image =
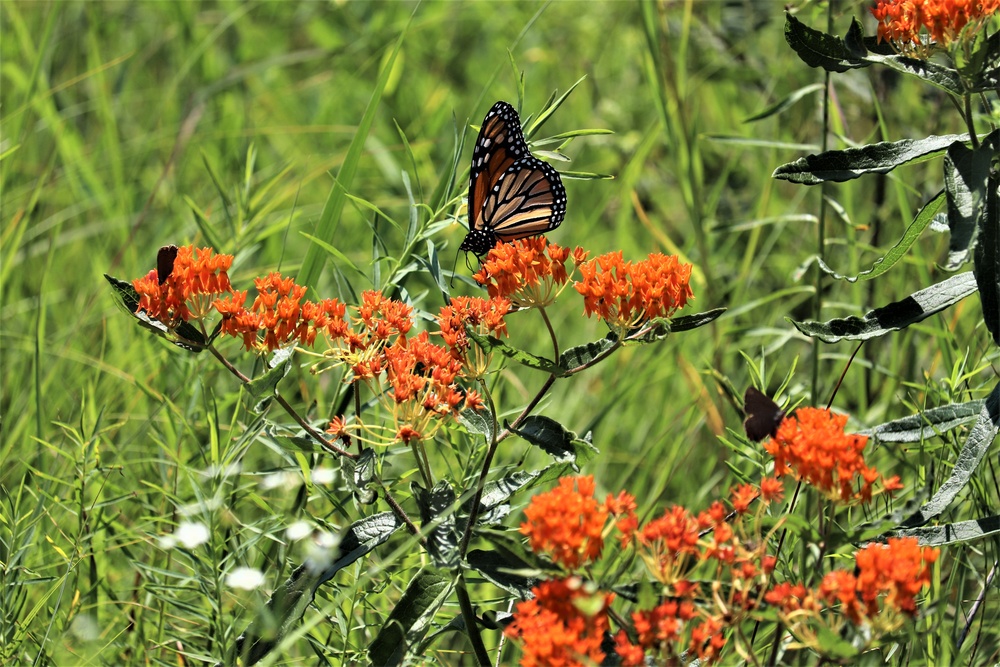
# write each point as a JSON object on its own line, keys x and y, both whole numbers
{"x": 625, "y": 294}
{"x": 195, "y": 280}
{"x": 814, "y": 445}
{"x": 562, "y": 626}
{"x": 529, "y": 272}
{"x": 485, "y": 316}
{"x": 567, "y": 522}
{"x": 946, "y": 21}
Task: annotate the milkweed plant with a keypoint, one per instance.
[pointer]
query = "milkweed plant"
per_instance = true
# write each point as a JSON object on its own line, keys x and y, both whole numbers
{"x": 583, "y": 579}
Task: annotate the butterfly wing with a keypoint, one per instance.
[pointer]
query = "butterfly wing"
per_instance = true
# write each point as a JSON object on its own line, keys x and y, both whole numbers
{"x": 763, "y": 415}
{"x": 512, "y": 194}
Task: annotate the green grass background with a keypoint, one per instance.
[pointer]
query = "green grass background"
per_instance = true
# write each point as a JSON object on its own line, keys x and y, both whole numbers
{"x": 130, "y": 125}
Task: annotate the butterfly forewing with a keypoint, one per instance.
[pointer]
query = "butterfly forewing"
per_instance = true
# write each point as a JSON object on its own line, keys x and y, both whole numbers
{"x": 763, "y": 415}
{"x": 512, "y": 194}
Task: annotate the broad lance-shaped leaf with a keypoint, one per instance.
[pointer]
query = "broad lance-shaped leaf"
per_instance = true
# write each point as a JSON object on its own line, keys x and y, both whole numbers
{"x": 290, "y": 600}
{"x": 184, "y": 336}
{"x": 477, "y": 421}
{"x": 492, "y": 343}
{"x": 555, "y": 440}
{"x": 926, "y": 424}
{"x": 505, "y": 571}
{"x": 880, "y": 158}
{"x": 819, "y": 49}
{"x": 410, "y": 618}
{"x": 575, "y": 358}
{"x": 437, "y": 513}
{"x": 359, "y": 473}
{"x": 978, "y": 443}
{"x": 952, "y": 533}
{"x": 494, "y": 506}
{"x": 833, "y": 54}
{"x": 987, "y": 260}
{"x": 899, "y": 315}
{"x": 262, "y": 388}
{"x": 966, "y": 171}
{"x": 923, "y": 220}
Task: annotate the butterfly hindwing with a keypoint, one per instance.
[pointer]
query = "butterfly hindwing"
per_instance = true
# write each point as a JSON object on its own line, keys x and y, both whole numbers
{"x": 512, "y": 194}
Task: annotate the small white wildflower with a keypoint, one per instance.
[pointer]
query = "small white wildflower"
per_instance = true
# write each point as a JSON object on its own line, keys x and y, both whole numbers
{"x": 298, "y": 530}
{"x": 245, "y": 578}
{"x": 280, "y": 480}
{"x": 323, "y": 475}
{"x": 191, "y": 534}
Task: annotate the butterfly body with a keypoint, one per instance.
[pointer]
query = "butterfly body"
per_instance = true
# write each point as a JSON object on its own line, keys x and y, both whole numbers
{"x": 512, "y": 194}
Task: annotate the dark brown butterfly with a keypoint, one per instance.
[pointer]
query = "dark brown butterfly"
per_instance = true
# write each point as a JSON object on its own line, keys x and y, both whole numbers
{"x": 165, "y": 262}
{"x": 512, "y": 194}
{"x": 763, "y": 415}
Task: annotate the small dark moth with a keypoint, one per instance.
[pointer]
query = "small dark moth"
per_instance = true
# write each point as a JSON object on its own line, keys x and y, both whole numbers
{"x": 165, "y": 262}
{"x": 763, "y": 415}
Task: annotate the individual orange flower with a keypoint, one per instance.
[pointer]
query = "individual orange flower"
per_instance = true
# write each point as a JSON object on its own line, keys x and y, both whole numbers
{"x": 814, "y": 446}
{"x": 772, "y": 489}
{"x": 195, "y": 280}
{"x": 553, "y": 628}
{"x": 901, "y": 21}
{"x": 485, "y": 316}
{"x": 741, "y": 497}
{"x": 567, "y": 523}
{"x": 623, "y": 507}
{"x": 626, "y": 294}
{"x": 529, "y": 272}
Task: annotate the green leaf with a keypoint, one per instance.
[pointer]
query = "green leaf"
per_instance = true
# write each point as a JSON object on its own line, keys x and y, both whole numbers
{"x": 290, "y": 600}
{"x": 359, "y": 473}
{"x": 818, "y": 49}
{"x": 477, "y": 421}
{"x": 880, "y": 158}
{"x": 576, "y": 357}
{"x": 966, "y": 172}
{"x": 952, "y": 533}
{"x": 505, "y": 571}
{"x": 185, "y": 336}
{"x": 410, "y": 618}
{"x": 262, "y": 388}
{"x": 833, "y": 54}
{"x": 785, "y": 103}
{"x": 987, "y": 260}
{"x": 926, "y": 424}
{"x": 326, "y": 227}
{"x": 976, "y": 445}
{"x": 494, "y": 504}
{"x": 491, "y": 344}
{"x": 437, "y": 507}
{"x": 899, "y": 315}
{"x": 924, "y": 218}
{"x": 555, "y": 440}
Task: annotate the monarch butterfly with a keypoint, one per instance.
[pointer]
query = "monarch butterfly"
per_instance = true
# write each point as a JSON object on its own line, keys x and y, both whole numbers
{"x": 512, "y": 194}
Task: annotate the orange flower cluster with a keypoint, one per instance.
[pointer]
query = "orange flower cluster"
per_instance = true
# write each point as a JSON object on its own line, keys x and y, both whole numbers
{"x": 814, "y": 445}
{"x": 895, "y": 572}
{"x": 422, "y": 378}
{"x": 485, "y": 316}
{"x": 880, "y": 593}
{"x": 280, "y": 314}
{"x": 554, "y": 628}
{"x": 530, "y": 272}
{"x": 567, "y": 523}
{"x": 196, "y": 279}
{"x": 900, "y": 21}
{"x": 625, "y": 294}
